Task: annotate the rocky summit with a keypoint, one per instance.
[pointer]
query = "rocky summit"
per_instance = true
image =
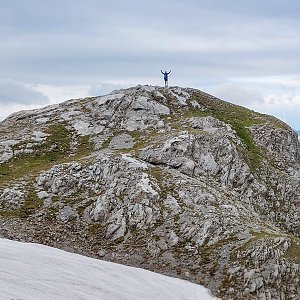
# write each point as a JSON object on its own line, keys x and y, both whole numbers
{"x": 175, "y": 181}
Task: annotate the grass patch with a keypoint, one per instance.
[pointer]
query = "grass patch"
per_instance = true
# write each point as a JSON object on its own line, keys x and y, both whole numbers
{"x": 156, "y": 173}
{"x": 56, "y": 146}
{"x": 293, "y": 252}
{"x": 165, "y": 188}
{"x": 106, "y": 143}
{"x": 140, "y": 139}
{"x": 238, "y": 117}
{"x": 84, "y": 145}
{"x": 31, "y": 204}
{"x": 94, "y": 228}
{"x": 252, "y": 154}
{"x": 55, "y": 149}
{"x": 51, "y": 213}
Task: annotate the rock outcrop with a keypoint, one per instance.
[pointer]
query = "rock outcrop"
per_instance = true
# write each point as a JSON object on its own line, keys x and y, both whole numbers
{"x": 177, "y": 181}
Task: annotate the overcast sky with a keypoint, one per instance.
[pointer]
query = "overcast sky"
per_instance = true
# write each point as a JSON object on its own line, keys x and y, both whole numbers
{"x": 246, "y": 52}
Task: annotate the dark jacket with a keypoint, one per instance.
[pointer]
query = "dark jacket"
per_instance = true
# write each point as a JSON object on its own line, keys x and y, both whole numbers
{"x": 165, "y": 74}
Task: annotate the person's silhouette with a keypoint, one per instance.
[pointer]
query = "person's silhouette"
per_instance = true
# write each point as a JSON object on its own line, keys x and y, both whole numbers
{"x": 165, "y": 77}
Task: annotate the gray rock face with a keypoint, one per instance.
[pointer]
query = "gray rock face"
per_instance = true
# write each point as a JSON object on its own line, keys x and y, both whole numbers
{"x": 176, "y": 181}
{"x": 122, "y": 141}
{"x": 11, "y": 198}
{"x": 278, "y": 144}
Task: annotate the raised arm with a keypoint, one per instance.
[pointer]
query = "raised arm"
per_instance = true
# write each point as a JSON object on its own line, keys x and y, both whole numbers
{"x": 169, "y": 72}
{"x": 162, "y": 72}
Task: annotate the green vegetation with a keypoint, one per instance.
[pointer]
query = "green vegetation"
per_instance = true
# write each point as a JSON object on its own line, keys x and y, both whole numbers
{"x": 293, "y": 252}
{"x": 106, "y": 143}
{"x": 51, "y": 213}
{"x": 31, "y": 204}
{"x": 238, "y": 117}
{"x": 55, "y": 149}
{"x": 84, "y": 145}
{"x": 94, "y": 228}
{"x": 56, "y": 146}
{"x": 165, "y": 187}
{"x": 141, "y": 139}
{"x": 156, "y": 173}
{"x": 252, "y": 155}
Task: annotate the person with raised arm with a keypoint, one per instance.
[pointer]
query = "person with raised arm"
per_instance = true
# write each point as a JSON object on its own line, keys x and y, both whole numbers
{"x": 165, "y": 77}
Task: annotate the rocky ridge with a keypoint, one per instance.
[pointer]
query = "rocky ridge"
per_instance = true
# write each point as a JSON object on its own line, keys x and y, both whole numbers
{"x": 177, "y": 181}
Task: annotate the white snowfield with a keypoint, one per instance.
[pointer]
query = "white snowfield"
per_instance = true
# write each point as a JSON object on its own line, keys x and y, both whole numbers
{"x": 32, "y": 271}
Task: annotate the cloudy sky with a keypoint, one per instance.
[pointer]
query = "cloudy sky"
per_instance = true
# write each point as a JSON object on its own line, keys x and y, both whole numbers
{"x": 246, "y": 52}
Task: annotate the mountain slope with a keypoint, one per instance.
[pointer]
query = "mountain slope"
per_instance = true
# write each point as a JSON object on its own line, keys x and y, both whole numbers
{"x": 31, "y": 271}
{"x": 178, "y": 182}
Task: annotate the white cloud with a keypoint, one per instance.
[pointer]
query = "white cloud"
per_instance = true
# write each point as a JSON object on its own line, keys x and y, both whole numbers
{"x": 105, "y": 88}
{"x": 287, "y": 81}
{"x": 245, "y": 92}
{"x": 7, "y": 109}
{"x": 113, "y": 44}
{"x": 105, "y": 41}
{"x": 284, "y": 104}
{"x": 12, "y": 92}
{"x": 59, "y": 93}
{"x": 27, "y": 96}
{"x": 234, "y": 93}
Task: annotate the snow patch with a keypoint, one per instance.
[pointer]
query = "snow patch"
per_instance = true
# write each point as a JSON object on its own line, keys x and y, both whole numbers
{"x": 33, "y": 272}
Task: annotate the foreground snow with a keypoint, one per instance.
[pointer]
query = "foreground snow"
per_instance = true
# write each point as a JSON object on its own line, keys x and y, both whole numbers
{"x": 32, "y": 271}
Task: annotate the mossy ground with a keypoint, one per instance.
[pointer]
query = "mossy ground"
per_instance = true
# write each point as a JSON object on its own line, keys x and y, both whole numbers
{"x": 31, "y": 204}
{"x": 238, "y": 117}
{"x": 55, "y": 149}
{"x": 293, "y": 253}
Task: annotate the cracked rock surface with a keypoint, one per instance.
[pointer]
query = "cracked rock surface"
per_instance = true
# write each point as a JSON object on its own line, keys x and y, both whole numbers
{"x": 177, "y": 181}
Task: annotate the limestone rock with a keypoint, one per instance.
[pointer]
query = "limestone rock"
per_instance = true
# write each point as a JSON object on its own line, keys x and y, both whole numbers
{"x": 178, "y": 182}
